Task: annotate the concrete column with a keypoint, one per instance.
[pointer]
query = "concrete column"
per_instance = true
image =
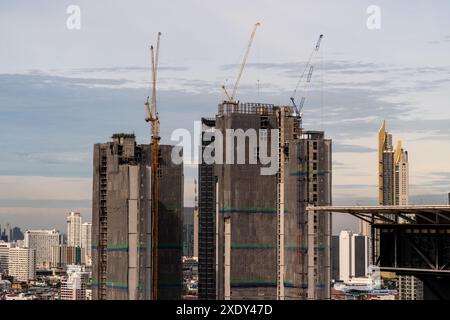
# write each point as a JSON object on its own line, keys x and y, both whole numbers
{"x": 227, "y": 280}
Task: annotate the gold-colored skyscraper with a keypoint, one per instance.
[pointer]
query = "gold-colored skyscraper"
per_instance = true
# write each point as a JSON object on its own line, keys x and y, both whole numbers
{"x": 393, "y": 171}
{"x": 393, "y": 174}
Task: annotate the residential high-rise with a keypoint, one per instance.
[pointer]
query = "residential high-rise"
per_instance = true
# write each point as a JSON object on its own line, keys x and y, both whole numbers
{"x": 86, "y": 242}
{"x": 41, "y": 242}
{"x": 63, "y": 255}
{"x": 4, "y": 257}
{"x": 122, "y": 221}
{"x": 256, "y": 239}
{"x": 74, "y": 229}
{"x": 21, "y": 263}
{"x": 73, "y": 287}
{"x": 353, "y": 255}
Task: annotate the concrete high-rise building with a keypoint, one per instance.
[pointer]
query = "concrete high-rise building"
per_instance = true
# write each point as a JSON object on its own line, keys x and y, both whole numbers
{"x": 353, "y": 255}
{"x": 21, "y": 263}
{"x": 256, "y": 240}
{"x": 73, "y": 287}
{"x": 86, "y": 242}
{"x": 41, "y": 241}
{"x": 4, "y": 257}
{"x": 74, "y": 229}
{"x": 122, "y": 221}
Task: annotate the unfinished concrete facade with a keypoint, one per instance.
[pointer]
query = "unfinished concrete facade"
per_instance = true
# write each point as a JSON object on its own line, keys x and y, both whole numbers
{"x": 122, "y": 224}
{"x": 266, "y": 245}
{"x": 207, "y": 222}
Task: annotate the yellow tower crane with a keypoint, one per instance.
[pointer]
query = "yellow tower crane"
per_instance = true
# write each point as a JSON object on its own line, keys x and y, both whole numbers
{"x": 153, "y": 119}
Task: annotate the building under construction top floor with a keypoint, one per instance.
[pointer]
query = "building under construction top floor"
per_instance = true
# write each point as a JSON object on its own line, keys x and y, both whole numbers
{"x": 122, "y": 221}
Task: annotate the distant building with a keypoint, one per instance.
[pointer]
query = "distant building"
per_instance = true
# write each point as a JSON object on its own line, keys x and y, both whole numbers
{"x": 410, "y": 288}
{"x": 86, "y": 242}
{"x": 74, "y": 229}
{"x": 73, "y": 287}
{"x": 4, "y": 257}
{"x": 41, "y": 242}
{"x": 335, "y": 258}
{"x": 63, "y": 255}
{"x": 6, "y": 235}
{"x": 17, "y": 234}
{"x": 353, "y": 256}
{"x": 188, "y": 232}
{"x": 5, "y": 285}
{"x": 21, "y": 263}
{"x": 393, "y": 184}
{"x": 122, "y": 222}
{"x": 393, "y": 170}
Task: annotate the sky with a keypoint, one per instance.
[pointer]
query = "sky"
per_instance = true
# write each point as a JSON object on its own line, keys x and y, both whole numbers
{"x": 63, "y": 90}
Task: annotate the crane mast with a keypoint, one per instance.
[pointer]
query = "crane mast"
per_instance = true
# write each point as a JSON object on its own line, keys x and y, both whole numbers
{"x": 153, "y": 119}
{"x": 232, "y": 98}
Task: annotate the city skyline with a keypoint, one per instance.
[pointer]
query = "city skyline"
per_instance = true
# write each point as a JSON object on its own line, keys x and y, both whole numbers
{"x": 362, "y": 84}
{"x": 253, "y": 151}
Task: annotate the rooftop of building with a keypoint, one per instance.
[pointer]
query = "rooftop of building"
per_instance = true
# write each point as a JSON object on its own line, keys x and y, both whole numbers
{"x": 123, "y": 135}
{"x": 249, "y": 108}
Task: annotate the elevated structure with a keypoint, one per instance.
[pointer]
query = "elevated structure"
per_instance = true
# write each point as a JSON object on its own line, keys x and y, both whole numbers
{"x": 418, "y": 248}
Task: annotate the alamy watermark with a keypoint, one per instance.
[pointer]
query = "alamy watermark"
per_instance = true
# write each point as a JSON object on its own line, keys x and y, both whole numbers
{"x": 73, "y": 22}
{"x": 374, "y": 19}
{"x": 236, "y": 146}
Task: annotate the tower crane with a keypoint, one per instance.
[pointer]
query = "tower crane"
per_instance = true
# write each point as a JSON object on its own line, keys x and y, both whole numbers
{"x": 310, "y": 68}
{"x": 232, "y": 98}
{"x": 153, "y": 119}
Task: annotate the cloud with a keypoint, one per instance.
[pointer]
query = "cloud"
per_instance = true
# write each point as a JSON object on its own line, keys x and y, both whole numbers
{"x": 446, "y": 39}
{"x": 340, "y": 147}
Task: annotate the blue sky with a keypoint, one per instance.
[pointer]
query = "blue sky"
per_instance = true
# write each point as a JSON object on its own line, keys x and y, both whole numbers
{"x": 63, "y": 90}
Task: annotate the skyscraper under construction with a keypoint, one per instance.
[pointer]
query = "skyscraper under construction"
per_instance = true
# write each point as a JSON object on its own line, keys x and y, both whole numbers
{"x": 256, "y": 239}
{"x": 122, "y": 221}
